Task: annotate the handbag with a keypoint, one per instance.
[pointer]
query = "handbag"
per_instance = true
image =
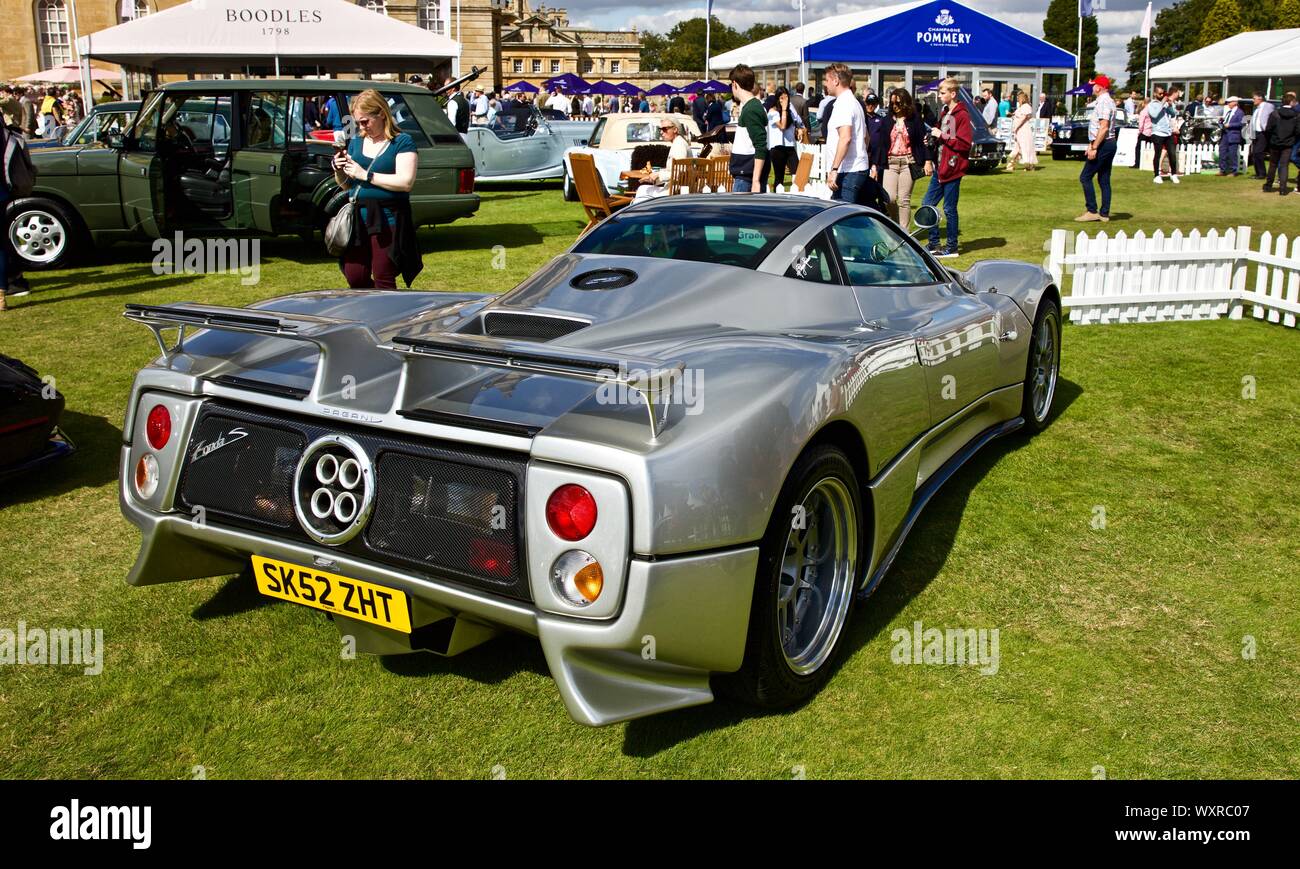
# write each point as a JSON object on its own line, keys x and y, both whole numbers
{"x": 918, "y": 171}
{"x": 341, "y": 229}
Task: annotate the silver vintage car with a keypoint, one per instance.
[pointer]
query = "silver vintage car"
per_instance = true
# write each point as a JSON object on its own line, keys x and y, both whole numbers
{"x": 678, "y": 454}
{"x": 523, "y": 145}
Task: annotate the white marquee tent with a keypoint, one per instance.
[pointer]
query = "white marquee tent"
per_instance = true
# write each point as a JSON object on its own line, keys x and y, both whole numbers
{"x": 1238, "y": 62}
{"x": 221, "y": 36}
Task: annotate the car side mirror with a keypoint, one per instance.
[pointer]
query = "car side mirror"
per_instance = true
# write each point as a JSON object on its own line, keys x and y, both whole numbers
{"x": 926, "y": 217}
{"x": 880, "y": 252}
{"x": 582, "y": 143}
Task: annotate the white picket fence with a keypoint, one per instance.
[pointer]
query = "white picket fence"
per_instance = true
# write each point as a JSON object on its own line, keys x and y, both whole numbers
{"x": 1157, "y": 278}
{"x": 1190, "y": 157}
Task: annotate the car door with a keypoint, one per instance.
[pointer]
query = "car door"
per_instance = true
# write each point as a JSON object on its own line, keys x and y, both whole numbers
{"x": 257, "y": 166}
{"x": 139, "y": 171}
{"x": 899, "y": 287}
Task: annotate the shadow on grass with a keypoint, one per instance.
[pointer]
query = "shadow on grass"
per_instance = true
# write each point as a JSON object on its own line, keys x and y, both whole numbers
{"x": 518, "y": 186}
{"x": 238, "y": 594}
{"x": 983, "y": 244}
{"x": 490, "y": 663}
{"x": 919, "y": 561}
{"x": 91, "y": 466}
{"x": 121, "y": 288}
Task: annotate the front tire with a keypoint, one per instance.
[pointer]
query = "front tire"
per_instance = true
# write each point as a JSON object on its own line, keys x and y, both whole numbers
{"x": 1043, "y": 368}
{"x": 570, "y": 192}
{"x": 42, "y": 233}
{"x": 810, "y": 563}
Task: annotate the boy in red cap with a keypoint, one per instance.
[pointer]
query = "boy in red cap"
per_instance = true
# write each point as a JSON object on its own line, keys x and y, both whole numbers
{"x": 1102, "y": 132}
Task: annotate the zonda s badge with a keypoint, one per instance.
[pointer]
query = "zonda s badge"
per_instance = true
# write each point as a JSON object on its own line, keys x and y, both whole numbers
{"x": 207, "y": 448}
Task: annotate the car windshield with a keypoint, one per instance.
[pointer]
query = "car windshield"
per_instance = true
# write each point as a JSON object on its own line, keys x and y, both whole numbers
{"x": 726, "y": 234}
{"x": 594, "y": 141}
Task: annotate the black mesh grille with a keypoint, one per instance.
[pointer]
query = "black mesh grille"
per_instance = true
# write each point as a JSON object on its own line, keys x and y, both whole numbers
{"x": 528, "y": 327}
{"x": 239, "y": 468}
{"x": 450, "y": 512}
{"x": 437, "y": 514}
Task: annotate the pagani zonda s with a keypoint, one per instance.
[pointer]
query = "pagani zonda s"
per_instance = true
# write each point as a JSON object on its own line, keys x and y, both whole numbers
{"x": 677, "y": 454}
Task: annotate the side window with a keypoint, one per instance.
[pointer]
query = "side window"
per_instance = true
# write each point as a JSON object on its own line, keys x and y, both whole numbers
{"x": 873, "y": 254}
{"x": 639, "y": 133}
{"x": 267, "y": 121}
{"x": 145, "y": 128}
{"x": 814, "y": 262}
{"x": 405, "y": 119}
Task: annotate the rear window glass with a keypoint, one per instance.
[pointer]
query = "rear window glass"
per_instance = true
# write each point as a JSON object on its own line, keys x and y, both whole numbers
{"x": 406, "y": 119}
{"x": 728, "y": 235}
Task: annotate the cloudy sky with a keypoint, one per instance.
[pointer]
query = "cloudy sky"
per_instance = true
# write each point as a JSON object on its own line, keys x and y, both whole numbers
{"x": 1120, "y": 21}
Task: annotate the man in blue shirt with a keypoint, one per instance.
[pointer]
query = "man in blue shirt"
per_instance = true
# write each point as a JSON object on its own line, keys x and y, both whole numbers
{"x": 1230, "y": 145}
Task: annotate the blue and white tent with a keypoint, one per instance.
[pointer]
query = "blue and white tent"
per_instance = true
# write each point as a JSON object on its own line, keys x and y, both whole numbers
{"x": 940, "y": 37}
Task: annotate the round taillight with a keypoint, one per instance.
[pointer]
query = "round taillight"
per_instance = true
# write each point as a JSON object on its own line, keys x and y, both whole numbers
{"x": 577, "y": 577}
{"x": 571, "y": 512}
{"x": 158, "y": 427}
{"x": 146, "y": 476}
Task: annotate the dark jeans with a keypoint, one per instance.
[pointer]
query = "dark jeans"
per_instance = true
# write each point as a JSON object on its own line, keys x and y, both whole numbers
{"x": 1259, "y": 155}
{"x": 1229, "y": 155}
{"x": 1165, "y": 143}
{"x": 1279, "y": 163}
{"x": 849, "y": 185}
{"x": 781, "y": 159}
{"x": 1099, "y": 167}
{"x": 741, "y": 184}
{"x": 369, "y": 258}
{"x": 948, "y": 192}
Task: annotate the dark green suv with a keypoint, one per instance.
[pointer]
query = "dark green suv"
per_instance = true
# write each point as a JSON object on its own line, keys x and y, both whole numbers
{"x": 221, "y": 158}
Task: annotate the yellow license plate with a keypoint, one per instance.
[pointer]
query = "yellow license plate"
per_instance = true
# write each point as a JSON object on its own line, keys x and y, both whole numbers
{"x": 353, "y": 598}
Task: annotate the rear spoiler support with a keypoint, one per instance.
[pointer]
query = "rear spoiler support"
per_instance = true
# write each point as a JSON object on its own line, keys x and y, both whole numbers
{"x": 350, "y": 355}
{"x": 652, "y": 379}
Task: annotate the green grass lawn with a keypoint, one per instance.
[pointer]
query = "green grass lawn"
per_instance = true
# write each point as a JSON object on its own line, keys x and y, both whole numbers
{"x": 1121, "y": 646}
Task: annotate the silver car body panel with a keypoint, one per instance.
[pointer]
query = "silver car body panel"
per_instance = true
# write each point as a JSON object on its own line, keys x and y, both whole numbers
{"x": 780, "y": 363}
{"x": 536, "y": 155}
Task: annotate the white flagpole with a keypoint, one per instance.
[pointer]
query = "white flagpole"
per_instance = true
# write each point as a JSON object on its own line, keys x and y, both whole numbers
{"x": 803, "y": 60}
{"x": 708, "y": 33}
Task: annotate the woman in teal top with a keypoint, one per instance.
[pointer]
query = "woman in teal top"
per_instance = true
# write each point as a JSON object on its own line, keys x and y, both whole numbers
{"x": 379, "y": 169}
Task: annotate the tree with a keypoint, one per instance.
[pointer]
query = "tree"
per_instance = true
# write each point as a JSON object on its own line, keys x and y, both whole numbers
{"x": 1287, "y": 14}
{"x": 762, "y": 31}
{"x": 683, "y": 46}
{"x": 1223, "y": 21}
{"x": 1061, "y": 28}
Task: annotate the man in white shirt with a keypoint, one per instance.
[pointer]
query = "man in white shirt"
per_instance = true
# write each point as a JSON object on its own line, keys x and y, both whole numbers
{"x": 990, "y": 108}
{"x": 453, "y": 106}
{"x": 559, "y": 102}
{"x": 480, "y": 105}
{"x": 846, "y": 136}
{"x": 588, "y": 106}
{"x": 1258, "y": 145}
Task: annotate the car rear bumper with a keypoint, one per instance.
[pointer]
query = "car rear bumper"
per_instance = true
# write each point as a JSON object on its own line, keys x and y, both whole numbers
{"x": 682, "y": 618}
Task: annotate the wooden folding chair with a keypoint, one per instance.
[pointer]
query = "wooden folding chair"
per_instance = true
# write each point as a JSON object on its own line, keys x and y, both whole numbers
{"x": 802, "y": 172}
{"x": 591, "y": 191}
{"x": 720, "y": 172}
{"x": 689, "y": 172}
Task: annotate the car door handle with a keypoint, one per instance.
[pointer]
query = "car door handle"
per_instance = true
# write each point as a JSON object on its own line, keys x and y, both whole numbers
{"x": 1009, "y": 335}
{"x": 272, "y": 168}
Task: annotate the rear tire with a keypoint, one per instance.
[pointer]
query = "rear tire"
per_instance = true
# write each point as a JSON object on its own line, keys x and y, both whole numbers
{"x": 1043, "y": 368}
{"x": 570, "y": 192}
{"x": 43, "y": 234}
{"x": 805, "y": 585}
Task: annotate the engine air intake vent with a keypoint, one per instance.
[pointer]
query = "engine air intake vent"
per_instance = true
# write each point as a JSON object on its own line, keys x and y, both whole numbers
{"x": 529, "y": 327}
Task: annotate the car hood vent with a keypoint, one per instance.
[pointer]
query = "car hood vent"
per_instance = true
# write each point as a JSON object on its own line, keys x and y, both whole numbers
{"x": 529, "y": 327}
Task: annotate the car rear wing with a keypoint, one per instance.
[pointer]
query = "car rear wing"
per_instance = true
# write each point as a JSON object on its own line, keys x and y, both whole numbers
{"x": 652, "y": 379}
{"x": 350, "y": 355}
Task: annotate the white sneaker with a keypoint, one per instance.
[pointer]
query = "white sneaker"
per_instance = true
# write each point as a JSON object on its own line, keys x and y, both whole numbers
{"x": 1158, "y": 180}
{"x": 1174, "y": 178}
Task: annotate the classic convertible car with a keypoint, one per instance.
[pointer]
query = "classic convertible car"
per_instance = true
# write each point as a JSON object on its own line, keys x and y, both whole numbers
{"x": 677, "y": 454}
{"x": 616, "y": 141}
{"x": 519, "y": 147}
{"x": 30, "y": 409}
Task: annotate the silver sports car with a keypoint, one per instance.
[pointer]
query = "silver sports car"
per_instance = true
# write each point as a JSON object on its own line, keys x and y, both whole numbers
{"x": 678, "y": 455}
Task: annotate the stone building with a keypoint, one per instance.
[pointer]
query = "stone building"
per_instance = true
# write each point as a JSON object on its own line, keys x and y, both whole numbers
{"x": 511, "y": 38}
